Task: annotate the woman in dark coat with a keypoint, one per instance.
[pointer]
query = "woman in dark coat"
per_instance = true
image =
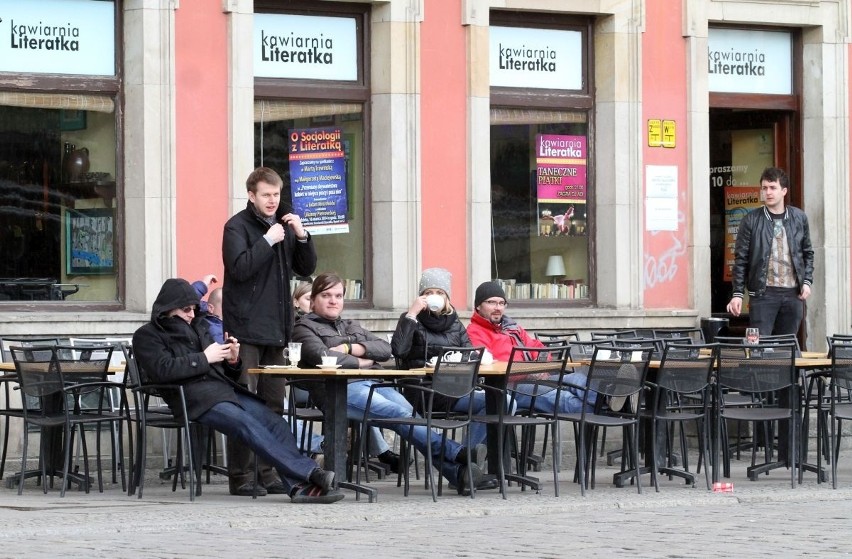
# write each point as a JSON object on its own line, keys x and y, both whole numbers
{"x": 421, "y": 334}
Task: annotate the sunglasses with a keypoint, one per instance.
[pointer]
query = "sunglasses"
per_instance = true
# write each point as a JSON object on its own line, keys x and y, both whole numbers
{"x": 187, "y": 310}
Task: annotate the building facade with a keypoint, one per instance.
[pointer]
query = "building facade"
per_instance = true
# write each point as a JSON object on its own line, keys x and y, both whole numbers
{"x": 592, "y": 155}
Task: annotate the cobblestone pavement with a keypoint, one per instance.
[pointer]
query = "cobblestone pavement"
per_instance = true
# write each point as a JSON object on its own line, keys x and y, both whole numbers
{"x": 758, "y": 518}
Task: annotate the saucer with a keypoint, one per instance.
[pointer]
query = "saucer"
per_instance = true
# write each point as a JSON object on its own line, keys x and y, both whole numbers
{"x": 329, "y": 367}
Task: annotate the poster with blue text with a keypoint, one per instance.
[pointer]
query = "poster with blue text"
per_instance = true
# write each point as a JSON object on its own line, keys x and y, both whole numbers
{"x": 318, "y": 179}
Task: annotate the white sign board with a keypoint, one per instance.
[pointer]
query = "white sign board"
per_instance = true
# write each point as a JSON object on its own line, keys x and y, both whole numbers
{"x": 537, "y": 58}
{"x": 661, "y": 198}
{"x": 57, "y": 37}
{"x": 305, "y": 47}
{"x": 750, "y": 61}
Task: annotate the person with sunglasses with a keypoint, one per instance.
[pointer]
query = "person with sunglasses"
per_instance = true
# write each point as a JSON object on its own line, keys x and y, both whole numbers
{"x": 175, "y": 347}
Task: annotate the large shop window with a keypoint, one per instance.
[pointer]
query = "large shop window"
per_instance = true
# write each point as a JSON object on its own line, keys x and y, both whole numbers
{"x": 539, "y": 196}
{"x": 57, "y": 197}
{"x": 318, "y": 149}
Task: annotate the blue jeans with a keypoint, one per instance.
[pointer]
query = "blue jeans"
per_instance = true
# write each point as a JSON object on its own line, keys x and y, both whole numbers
{"x": 388, "y": 402}
{"x": 570, "y": 398}
{"x": 314, "y": 445}
{"x": 265, "y": 432}
{"x": 477, "y": 430}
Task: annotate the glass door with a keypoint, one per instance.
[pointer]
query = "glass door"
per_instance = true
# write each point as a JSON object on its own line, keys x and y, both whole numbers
{"x": 742, "y": 144}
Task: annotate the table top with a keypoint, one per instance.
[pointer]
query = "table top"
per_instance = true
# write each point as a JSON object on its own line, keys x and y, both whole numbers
{"x": 495, "y": 368}
{"x": 10, "y": 368}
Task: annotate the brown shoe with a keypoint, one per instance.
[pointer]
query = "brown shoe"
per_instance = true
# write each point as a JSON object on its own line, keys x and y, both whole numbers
{"x": 248, "y": 490}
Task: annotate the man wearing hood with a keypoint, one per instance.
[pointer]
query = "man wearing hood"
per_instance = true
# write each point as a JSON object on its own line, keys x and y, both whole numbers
{"x": 261, "y": 245}
{"x": 176, "y": 347}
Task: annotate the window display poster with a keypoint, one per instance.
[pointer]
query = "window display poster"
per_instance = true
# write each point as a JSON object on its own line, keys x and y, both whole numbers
{"x": 739, "y": 200}
{"x": 561, "y": 184}
{"x": 318, "y": 179}
{"x": 90, "y": 238}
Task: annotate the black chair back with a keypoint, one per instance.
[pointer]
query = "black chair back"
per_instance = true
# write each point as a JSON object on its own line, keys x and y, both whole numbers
{"x": 456, "y": 371}
{"x": 39, "y": 377}
{"x": 837, "y": 339}
{"x": 681, "y": 335}
{"x": 619, "y": 372}
{"x": 686, "y": 369}
{"x": 614, "y": 334}
{"x": 556, "y": 338}
{"x": 7, "y": 342}
{"x": 757, "y": 368}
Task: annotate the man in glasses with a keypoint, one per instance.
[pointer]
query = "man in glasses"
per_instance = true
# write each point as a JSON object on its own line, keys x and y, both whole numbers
{"x": 490, "y": 327}
{"x": 176, "y": 347}
{"x": 262, "y": 246}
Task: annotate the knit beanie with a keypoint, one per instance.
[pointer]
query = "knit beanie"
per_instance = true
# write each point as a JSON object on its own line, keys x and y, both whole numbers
{"x": 435, "y": 277}
{"x": 486, "y": 291}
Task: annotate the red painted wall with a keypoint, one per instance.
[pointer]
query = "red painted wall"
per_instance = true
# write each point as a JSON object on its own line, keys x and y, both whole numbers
{"x": 443, "y": 118}
{"x": 201, "y": 79}
{"x": 666, "y": 262}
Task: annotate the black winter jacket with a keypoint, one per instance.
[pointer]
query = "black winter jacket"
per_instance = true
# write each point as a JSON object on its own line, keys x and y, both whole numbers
{"x": 414, "y": 343}
{"x": 257, "y": 305}
{"x": 754, "y": 243}
{"x": 317, "y": 334}
{"x": 168, "y": 350}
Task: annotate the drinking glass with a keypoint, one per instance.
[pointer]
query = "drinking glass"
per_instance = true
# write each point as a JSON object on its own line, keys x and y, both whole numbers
{"x": 752, "y": 336}
{"x": 294, "y": 350}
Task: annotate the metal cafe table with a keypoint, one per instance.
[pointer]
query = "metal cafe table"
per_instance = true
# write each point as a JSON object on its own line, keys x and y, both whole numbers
{"x": 336, "y": 422}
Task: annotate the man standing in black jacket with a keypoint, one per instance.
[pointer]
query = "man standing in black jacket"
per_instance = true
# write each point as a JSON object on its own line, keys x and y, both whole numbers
{"x": 774, "y": 260}
{"x": 260, "y": 246}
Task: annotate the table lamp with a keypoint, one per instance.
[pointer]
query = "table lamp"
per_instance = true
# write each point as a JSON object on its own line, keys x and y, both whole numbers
{"x": 555, "y": 267}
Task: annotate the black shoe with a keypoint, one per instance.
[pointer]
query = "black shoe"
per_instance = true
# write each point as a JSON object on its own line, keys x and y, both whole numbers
{"x": 247, "y": 490}
{"x": 392, "y": 460}
{"x": 324, "y": 479}
{"x": 465, "y": 482}
{"x": 477, "y": 455}
{"x": 488, "y": 482}
{"x": 277, "y": 488}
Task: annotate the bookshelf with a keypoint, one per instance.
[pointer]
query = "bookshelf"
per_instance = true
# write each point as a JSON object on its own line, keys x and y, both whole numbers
{"x": 567, "y": 290}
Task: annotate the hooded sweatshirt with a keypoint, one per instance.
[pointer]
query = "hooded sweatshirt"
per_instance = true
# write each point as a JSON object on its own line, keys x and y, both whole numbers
{"x": 170, "y": 351}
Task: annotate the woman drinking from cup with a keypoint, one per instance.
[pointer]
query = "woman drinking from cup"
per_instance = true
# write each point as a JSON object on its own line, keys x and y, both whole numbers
{"x": 431, "y": 324}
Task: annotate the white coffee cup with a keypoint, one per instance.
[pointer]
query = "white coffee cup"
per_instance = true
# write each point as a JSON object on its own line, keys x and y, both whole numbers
{"x": 487, "y": 358}
{"x": 329, "y": 361}
{"x": 435, "y": 302}
{"x": 453, "y": 356}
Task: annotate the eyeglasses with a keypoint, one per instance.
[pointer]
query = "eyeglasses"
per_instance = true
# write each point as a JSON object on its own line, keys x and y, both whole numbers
{"x": 187, "y": 310}
{"x": 496, "y": 303}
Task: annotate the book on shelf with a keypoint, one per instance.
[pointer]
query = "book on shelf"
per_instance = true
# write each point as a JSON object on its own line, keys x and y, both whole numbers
{"x": 568, "y": 289}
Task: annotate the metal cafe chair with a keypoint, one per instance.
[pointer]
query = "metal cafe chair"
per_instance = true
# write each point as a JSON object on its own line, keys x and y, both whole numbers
{"x": 451, "y": 380}
{"x": 681, "y": 392}
{"x": 531, "y": 374}
{"x": 769, "y": 371}
{"x": 149, "y": 413}
{"x": 616, "y": 376}
{"x": 55, "y": 381}
{"x": 840, "y": 405}
{"x": 10, "y": 381}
